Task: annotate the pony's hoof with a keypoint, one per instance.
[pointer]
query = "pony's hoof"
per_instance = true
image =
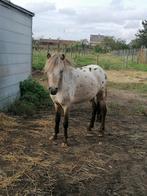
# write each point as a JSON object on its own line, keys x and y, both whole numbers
{"x": 52, "y": 138}
{"x": 89, "y": 129}
{"x": 101, "y": 134}
{"x": 89, "y": 134}
{"x": 64, "y": 145}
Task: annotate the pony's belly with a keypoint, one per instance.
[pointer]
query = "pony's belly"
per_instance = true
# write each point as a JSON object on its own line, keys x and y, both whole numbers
{"x": 81, "y": 100}
{"x": 84, "y": 95}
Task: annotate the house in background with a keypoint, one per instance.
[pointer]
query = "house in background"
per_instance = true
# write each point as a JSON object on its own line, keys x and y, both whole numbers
{"x": 15, "y": 50}
{"x": 96, "y": 39}
{"x": 49, "y": 43}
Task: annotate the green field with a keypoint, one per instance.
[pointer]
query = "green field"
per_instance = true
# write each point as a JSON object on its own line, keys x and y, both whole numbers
{"x": 107, "y": 61}
{"x": 39, "y": 59}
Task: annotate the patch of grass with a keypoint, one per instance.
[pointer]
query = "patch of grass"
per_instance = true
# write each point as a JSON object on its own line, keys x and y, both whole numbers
{"x": 139, "y": 67}
{"x": 84, "y": 60}
{"x": 39, "y": 59}
{"x": 138, "y": 87}
{"x": 107, "y": 61}
{"x": 33, "y": 97}
{"x": 142, "y": 109}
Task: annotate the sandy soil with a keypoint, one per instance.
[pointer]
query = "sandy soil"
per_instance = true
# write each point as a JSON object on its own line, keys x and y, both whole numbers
{"x": 127, "y": 76}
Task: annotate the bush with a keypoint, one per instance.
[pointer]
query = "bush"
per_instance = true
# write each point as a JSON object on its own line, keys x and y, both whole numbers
{"x": 33, "y": 92}
{"x": 22, "y": 107}
{"x": 32, "y": 98}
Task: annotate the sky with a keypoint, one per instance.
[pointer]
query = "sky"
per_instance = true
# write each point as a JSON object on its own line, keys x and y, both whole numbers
{"x": 77, "y": 19}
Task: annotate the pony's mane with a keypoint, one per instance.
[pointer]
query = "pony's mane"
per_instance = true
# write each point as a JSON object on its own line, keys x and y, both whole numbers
{"x": 56, "y": 61}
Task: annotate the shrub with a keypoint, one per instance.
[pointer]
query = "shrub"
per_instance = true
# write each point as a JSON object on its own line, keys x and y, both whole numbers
{"x": 33, "y": 92}
{"x": 32, "y": 98}
{"x": 22, "y": 107}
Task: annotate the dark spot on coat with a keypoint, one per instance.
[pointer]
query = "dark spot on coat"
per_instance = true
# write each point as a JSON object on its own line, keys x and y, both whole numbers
{"x": 89, "y": 68}
{"x": 102, "y": 82}
{"x": 95, "y": 68}
{"x": 84, "y": 70}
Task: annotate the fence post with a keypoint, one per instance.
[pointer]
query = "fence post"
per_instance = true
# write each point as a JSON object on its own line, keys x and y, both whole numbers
{"x": 145, "y": 52}
{"x": 97, "y": 59}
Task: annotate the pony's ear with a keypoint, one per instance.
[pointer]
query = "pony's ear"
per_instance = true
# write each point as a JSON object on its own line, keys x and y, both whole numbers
{"x": 48, "y": 55}
{"x": 62, "y": 56}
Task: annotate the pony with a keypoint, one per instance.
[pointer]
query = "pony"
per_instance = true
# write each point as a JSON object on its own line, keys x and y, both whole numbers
{"x": 68, "y": 85}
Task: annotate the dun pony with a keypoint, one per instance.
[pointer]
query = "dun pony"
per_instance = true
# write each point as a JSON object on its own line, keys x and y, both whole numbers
{"x": 68, "y": 85}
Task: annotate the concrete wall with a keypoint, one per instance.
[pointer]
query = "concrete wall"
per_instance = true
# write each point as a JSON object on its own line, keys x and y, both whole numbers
{"x": 15, "y": 52}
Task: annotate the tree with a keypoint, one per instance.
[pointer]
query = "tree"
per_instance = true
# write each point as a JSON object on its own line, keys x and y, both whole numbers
{"x": 142, "y": 34}
{"x": 134, "y": 43}
{"x": 141, "y": 37}
{"x": 109, "y": 43}
{"x": 98, "y": 49}
{"x": 120, "y": 44}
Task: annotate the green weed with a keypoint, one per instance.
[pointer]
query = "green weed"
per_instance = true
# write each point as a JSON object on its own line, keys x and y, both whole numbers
{"x": 32, "y": 98}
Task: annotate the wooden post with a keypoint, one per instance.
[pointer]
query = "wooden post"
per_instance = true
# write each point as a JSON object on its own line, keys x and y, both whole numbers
{"x": 97, "y": 59}
{"x": 145, "y": 53}
{"x": 58, "y": 49}
{"x": 132, "y": 54}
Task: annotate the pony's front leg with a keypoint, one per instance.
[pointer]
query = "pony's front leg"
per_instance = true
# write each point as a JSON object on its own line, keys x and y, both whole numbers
{"x": 65, "y": 125}
{"x": 57, "y": 121}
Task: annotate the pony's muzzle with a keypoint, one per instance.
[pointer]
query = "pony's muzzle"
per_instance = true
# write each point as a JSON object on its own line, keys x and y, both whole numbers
{"x": 53, "y": 91}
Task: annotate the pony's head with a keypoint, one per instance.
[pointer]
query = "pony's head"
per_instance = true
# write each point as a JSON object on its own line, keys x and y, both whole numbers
{"x": 54, "y": 67}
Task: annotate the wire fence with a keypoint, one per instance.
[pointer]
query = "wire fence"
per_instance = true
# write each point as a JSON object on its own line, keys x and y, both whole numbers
{"x": 83, "y": 55}
{"x": 138, "y": 56}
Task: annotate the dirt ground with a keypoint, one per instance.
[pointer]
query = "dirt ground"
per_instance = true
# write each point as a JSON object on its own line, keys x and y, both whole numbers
{"x": 115, "y": 165}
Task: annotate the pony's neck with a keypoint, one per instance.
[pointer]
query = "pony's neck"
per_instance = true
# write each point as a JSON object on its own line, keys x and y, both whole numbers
{"x": 67, "y": 76}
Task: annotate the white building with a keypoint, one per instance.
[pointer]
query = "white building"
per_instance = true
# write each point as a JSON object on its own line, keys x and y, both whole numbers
{"x": 15, "y": 49}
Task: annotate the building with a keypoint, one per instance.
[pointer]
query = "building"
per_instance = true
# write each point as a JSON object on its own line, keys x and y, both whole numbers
{"x": 96, "y": 39}
{"x": 47, "y": 43}
{"x": 15, "y": 50}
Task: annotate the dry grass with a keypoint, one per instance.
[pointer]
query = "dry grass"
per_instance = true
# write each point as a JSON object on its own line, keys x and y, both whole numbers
{"x": 7, "y": 122}
{"x": 127, "y": 76}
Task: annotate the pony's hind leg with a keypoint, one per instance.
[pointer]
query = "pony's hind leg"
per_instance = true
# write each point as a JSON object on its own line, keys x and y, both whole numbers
{"x": 103, "y": 112}
{"x": 94, "y": 111}
{"x": 99, "y": 118}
